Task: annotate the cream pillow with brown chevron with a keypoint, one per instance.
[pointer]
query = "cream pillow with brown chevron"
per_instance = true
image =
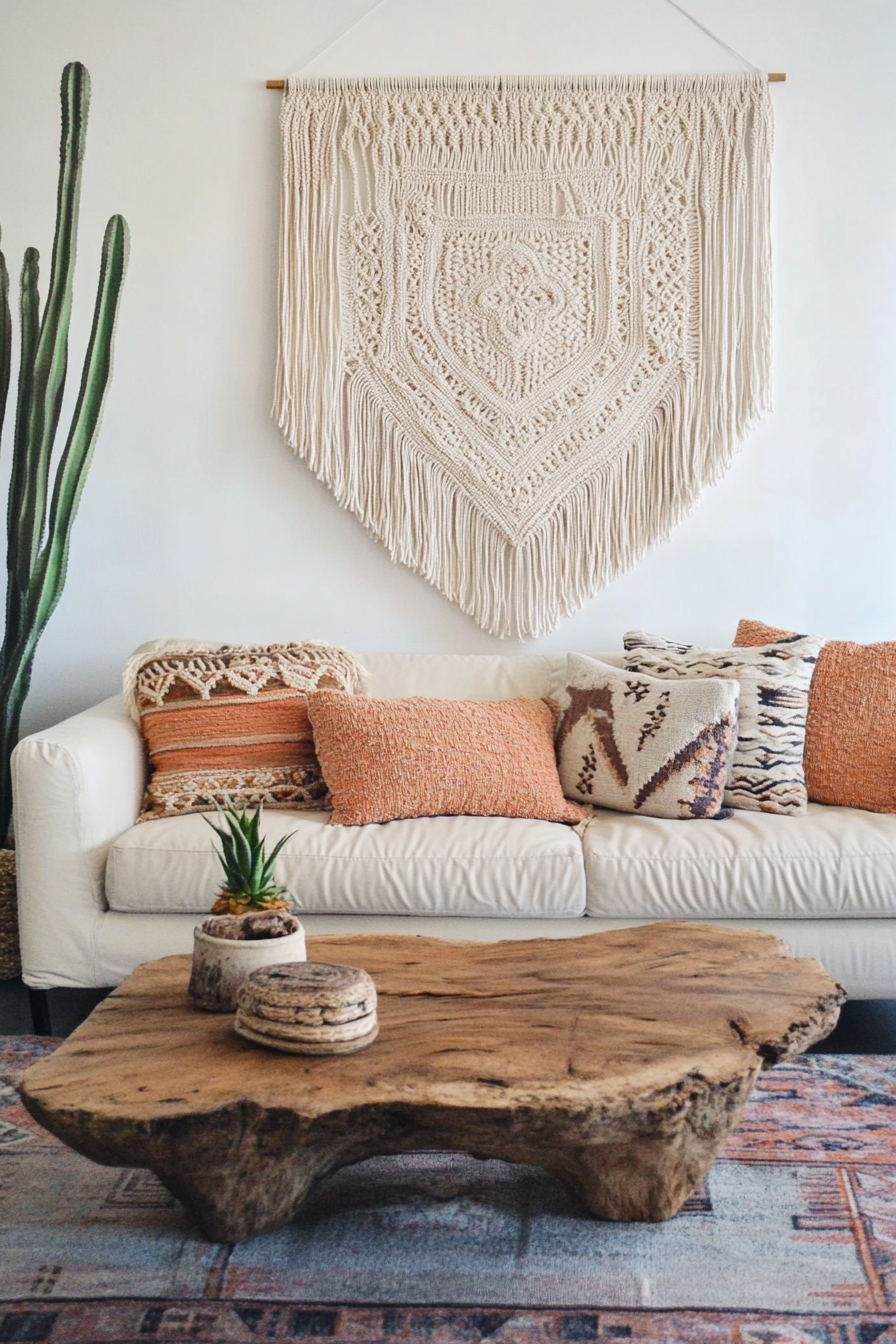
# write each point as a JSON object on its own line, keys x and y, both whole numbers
{"x": 767, "y": 765}
{"x": 641, "y": 744}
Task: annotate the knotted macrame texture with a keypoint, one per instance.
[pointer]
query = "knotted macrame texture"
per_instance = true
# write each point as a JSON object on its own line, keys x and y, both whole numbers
{"x": 523, "y": 321}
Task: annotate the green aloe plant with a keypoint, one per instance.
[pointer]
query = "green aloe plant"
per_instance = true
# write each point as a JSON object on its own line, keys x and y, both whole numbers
{"x": 248, "y": 872}
{"x": 39, "y": 519}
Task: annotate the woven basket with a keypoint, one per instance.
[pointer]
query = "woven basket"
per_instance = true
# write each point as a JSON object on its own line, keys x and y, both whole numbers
{"x": 10, "y": 960}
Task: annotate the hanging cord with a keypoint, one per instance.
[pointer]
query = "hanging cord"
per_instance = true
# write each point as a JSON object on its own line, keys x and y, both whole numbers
{"x": 279, "y": 83}
{"x": 339, "y": 36}
{"x": 715, "y": 37}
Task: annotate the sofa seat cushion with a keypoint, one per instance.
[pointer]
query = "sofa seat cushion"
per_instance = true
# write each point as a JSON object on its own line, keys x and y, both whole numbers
{"x": 428, "y": 865}
{"x": 831, "y": 862}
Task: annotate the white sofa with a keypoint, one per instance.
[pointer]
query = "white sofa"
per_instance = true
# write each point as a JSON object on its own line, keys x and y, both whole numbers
{"x": 99, "y": 894}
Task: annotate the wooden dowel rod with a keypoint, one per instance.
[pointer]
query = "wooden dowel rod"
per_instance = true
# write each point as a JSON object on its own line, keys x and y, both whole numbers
{"x": 777, "y": 78}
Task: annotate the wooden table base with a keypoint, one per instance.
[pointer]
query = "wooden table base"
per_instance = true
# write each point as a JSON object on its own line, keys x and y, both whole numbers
{"x": 618, "y": 1061}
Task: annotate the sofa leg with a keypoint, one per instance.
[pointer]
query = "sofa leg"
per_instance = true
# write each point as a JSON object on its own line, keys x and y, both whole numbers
{"x": 40, "y": 1012}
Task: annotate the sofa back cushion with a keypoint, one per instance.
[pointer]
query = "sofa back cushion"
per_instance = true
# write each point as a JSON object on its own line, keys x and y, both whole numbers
{"x": 452, "y": 676}
{"x": 460, "y": 676}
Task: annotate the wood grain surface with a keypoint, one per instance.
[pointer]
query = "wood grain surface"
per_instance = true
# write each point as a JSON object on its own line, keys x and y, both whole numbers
{"x": 620, "y": 1061}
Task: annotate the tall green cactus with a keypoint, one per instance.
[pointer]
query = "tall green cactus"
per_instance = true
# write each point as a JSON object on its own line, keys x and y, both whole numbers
{"x": 38, "y": 539}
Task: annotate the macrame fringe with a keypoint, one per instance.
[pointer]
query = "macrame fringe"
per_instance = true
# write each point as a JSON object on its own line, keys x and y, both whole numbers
{"x": 638, "y": 489}
{"x": 430, "y": 524}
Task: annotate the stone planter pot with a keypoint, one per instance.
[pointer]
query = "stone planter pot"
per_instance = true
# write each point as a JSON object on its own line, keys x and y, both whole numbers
{"x": 220, "y": 965}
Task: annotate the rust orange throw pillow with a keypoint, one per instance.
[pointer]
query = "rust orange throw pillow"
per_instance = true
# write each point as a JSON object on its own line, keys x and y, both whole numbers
{"x": 231, "y": 724}
{"x": 387, "y": 759}
{"x": 850, "y": 754}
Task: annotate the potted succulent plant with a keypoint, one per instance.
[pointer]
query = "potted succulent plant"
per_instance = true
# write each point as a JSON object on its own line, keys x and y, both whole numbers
{"x": 251, "y": 924}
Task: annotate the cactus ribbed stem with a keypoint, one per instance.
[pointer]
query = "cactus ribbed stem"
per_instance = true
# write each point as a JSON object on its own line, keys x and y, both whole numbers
{"x": 18, "y": 571}
{"x": 39, "y": 523}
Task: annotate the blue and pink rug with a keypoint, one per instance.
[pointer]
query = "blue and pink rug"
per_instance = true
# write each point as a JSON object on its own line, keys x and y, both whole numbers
{"x": 791, "y": 1240}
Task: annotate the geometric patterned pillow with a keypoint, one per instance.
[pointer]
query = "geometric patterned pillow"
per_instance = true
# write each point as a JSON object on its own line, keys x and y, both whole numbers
{"x": 850, "y": 755}
{"x": 642, "y": 744}
{"x": 231, "y": 724}
{"x": 767, "y": 764}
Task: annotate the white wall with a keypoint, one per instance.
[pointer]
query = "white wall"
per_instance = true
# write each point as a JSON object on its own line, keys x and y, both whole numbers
{"x": 197, "y": 520}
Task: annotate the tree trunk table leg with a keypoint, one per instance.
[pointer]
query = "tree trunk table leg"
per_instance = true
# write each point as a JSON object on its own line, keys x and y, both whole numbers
{"x": 640, "y": 1182}
{"x": 230, "y": 1204}
{"x": 252, "y": 1177}
{"x": 646, "y": 1176}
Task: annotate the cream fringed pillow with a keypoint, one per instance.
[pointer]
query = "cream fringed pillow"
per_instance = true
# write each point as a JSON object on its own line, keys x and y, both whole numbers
{"x": 767, "y": 764}
{"x": 388, "y": 759}
{"x": 850, "y": 755}
{"x": 642, "y": 744}
{"x": 231, "y": 724}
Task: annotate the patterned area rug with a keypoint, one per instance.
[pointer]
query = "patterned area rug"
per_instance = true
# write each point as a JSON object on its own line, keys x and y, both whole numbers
{"x": 791, "y": 1240}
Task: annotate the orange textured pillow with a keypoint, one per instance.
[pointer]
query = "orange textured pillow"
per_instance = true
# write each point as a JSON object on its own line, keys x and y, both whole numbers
{"x": 387, "y": 759}
{"x": 850, "y": 753}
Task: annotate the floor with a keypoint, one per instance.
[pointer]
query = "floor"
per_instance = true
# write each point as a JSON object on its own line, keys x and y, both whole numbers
{"x": 866, "y": 1026}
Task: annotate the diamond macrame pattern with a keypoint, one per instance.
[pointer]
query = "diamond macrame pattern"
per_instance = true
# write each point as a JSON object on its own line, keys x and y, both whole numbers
{"x": 523, "y": 322}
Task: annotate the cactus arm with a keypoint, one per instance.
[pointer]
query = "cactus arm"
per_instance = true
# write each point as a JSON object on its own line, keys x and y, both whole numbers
{"x": 51, "y": 354}
{"x": 18, "y": 570}
{"x": 78, "y": 452}
{"x": 5, "y": 338}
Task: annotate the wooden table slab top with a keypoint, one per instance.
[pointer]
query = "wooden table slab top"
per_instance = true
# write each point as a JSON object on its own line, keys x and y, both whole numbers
{"x": 620, "y": 1061}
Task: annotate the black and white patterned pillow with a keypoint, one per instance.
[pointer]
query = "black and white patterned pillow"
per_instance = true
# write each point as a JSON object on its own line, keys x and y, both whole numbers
{"x": 767, "y": 766}
{"x": 640, "y": 744}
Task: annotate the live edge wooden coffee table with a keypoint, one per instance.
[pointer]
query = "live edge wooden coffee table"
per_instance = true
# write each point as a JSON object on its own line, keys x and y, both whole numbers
{"x": 619, "y": 1061}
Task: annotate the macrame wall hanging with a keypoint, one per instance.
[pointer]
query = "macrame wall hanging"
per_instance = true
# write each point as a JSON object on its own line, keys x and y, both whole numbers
{"x": 523, "y": 321}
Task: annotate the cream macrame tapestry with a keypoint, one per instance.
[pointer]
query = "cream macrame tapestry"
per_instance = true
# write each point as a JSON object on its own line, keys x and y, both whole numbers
{"x": 523, "y": 321}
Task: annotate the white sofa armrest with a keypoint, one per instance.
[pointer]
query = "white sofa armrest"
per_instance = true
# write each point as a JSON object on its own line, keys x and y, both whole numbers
{"x": 76, "y": 787}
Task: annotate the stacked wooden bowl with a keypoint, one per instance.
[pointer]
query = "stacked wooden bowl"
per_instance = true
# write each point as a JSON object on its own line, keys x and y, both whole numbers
{"x": 308, "y": 1008}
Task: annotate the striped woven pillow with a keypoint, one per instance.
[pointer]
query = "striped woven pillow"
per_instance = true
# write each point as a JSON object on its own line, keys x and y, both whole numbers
{"x": 767, "y": 764}
{"x": 850, "y": 755}
{"x": 231, "y": 724}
